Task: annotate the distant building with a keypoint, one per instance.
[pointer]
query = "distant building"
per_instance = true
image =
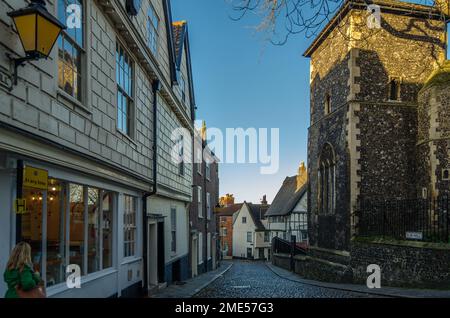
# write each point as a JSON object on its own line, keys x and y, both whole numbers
{"x": 203, "y": 226}
{"x": 225, "y": 217}
{"x": 250, "y": 238}
{"x": 288, "y": 213}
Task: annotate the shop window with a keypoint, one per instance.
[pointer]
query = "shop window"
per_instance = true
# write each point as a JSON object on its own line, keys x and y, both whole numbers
{"x": 31, "y": 224}
{"x": 71, "y": 50}
{"x": 129, "y": 224}
{"x": 56, "y": 233}
{"x": 72, "y": 210}
{"x": 76, "y": 245}
{"x": 107, "y": 230}
{"x": 93, "y": 230}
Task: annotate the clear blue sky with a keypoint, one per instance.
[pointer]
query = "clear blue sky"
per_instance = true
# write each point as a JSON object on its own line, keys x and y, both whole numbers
{"x": 243, "y": 81}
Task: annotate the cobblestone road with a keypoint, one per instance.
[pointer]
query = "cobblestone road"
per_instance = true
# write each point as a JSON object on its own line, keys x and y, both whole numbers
{"x": 247, "y": 279}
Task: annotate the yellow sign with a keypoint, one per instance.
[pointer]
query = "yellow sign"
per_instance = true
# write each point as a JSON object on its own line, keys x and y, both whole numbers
{"x": 20, "y": 206}
{"x": 35, "y": 178}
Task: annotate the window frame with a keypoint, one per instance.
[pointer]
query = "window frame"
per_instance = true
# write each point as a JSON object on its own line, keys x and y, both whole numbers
{"x": 119, "y": 89}
{"x": 132, "y": 227}
{"x": 200, "y": 202}
{"x": 173, "y": 229}
{"x": 84, "y": 56}
{"x": 150, "y": 26}
{"x": 244, "y": 220}
{"x": 249, "y": 237}
{"x": 208, "y": 205}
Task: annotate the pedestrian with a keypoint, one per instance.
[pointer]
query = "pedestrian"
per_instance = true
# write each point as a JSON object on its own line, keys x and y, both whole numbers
{"x": 22, "y": 280}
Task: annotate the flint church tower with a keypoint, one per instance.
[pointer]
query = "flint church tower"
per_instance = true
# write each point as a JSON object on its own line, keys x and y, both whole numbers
{"x": 376, "y": 111}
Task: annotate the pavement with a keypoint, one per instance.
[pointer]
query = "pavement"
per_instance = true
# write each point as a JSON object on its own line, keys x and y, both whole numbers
{"x": 193, "y": 285}
{"x": 382, "y": 292}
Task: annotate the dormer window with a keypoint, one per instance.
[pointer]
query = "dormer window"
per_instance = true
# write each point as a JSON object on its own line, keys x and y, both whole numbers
{"x": 327, "y": 104}
{"x": 394, "y": 89}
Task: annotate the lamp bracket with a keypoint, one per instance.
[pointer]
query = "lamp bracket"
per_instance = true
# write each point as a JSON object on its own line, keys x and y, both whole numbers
{"x": 18, "y": 61}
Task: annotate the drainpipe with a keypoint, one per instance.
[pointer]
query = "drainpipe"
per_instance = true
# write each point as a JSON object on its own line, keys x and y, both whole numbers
{"x": 156, "y": 86}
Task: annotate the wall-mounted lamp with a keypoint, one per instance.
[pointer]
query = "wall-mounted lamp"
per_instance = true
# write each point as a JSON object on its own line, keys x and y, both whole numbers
{"x": 38, "y": 31}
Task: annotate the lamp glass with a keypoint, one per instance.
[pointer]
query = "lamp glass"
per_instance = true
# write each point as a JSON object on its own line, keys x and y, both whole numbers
{"x": 47, "y": 33}
{"x": 26, "y": 27}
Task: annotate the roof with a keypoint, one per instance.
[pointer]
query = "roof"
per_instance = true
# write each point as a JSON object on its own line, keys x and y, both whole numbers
{"x": 179, "y": 33}
{"x": 387, "y": 6}
{"x": 287, "y": 197}
{"x": 257, "y": 211}
{"x": 440, "y": 76}
{"x": 229, "y": 210}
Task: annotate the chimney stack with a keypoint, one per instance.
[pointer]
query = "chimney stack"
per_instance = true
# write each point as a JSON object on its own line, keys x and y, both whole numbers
{"x": 264, "y": 200}
{"x": 302, "y": 175}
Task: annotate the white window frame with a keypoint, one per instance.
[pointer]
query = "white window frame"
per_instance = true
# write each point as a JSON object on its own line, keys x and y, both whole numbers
{"x": 208, "y": 205}
{"x": 208, "y": 246}
{"x": 249, "y": 235}
{"x": 173, "y": 229}
{"x": 131, "y": 227}
{"x": 199, "y": 201}
{"x": 200, "y": 248}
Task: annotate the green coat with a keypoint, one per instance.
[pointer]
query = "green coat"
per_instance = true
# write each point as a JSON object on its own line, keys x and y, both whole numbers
{"x": 26, "y": 279}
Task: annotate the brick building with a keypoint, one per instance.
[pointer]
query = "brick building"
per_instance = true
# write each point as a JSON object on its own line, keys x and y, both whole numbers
{"x": 203, "y": 225}
{"x": 225, "y": 218}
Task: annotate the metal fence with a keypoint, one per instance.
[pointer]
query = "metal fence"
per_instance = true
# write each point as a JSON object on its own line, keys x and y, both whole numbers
{"x": 285, "y": 247}
{"x": 425, "y": 220}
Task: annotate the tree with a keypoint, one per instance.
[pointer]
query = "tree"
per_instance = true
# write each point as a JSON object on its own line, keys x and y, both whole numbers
{"x": 284, "y": 18}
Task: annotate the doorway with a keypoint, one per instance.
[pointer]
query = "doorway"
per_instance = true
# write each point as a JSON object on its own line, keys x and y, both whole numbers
{"x": 194, "y": 256}
{"x": 152, "y": 265}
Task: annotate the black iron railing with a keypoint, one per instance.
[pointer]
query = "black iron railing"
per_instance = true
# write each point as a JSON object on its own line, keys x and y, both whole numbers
{"x": 425, "y": 220}
{"x": 285, "y": 247}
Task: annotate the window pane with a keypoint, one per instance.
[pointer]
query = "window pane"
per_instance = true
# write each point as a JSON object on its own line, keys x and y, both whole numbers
{"x": 107, "y": 224}
{"x": 129, "y": 226}
{"x": 56, "y": 233}
{"x": 76, "y": 250}
{"x": 32, "y": 225}
{"x": 93, "y": 230}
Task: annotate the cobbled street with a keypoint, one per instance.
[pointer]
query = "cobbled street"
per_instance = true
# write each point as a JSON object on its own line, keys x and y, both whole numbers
{"x": 248, "y": 279}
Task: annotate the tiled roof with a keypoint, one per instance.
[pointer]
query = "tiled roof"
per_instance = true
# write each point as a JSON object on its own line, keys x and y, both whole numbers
{"x": 179, "y": 31}
{"x": 258, "y": 211}
{"x": 229, "y": 210}
{"x": 286, "y": 198}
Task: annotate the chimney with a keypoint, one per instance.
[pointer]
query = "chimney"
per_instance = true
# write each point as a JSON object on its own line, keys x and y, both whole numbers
{"x": 203, "y": 131}
{"x": 302, "y": 175}
{"x": 443, "y": 6}
{"x": 264, "y": 200}
{"x": 227, "y": 200}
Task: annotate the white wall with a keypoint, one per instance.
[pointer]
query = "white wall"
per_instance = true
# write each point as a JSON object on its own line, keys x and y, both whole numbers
{"x": 159, "y": 205}
{"x": 240, "y": 230}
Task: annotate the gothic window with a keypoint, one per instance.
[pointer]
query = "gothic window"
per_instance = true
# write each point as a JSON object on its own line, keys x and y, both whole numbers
{"x": 327, "y": 181}
{"x": 394, "y": 89}
{"x": 327, "y": 104}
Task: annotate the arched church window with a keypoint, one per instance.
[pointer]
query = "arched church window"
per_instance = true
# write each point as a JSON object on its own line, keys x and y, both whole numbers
{"x": 327, "y": 180}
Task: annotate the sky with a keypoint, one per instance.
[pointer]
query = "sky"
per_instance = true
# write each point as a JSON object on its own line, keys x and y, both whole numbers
{"x": 242, "y": 80}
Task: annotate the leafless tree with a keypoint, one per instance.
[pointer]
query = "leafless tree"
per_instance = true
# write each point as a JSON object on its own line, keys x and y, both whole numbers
{"x": 281, "y": 19}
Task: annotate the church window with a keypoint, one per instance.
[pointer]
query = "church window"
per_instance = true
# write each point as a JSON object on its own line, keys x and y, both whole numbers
{"x": 394, "y": 89}
{"x": 327, "y": 181}
{"x": 327, "y": 104}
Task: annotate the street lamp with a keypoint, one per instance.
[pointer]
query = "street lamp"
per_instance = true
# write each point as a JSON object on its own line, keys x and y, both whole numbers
{"x": 38, "y": 31}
